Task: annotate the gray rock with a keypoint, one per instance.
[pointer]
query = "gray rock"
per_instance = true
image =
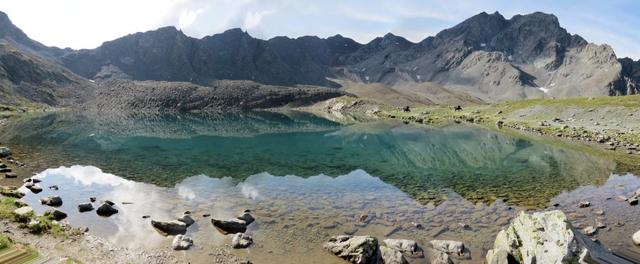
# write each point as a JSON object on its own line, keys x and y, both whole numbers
{"x": 35, "y": 188}
{"x": 106, "y": 209}
{"x": 241, "y": 240}
{"x": 231, "y": 226}
{"x": 85, "y": 207}
{"x": 187, "y": 219}
{"x": 405, "y": 246}
{"x": 636, "y": 238}
{"x": 181, "y": 242}
{"x": 391, "y": 256}
{"x": 544, "y": 237}
{"x": 584, "y": 204}
{"x": 633, "y": 200}
{"x": 354, "y": 249}
{"x": 56, "y": 214}
{"x": 448, "y": 246}
{"x": 439, "y": 257}
{"x": 5, "y": 152}
{"x": 51, "y": 201}
{"x": 170, "y": 227}
{"x": 23, "y": 214}
{"x": 10, "y": 175}
{"x": 247, "y": 217}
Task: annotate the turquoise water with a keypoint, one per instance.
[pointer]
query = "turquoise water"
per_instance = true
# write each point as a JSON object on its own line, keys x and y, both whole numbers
{"x": 306, "y": 179}
{"x": 424, "y": 162}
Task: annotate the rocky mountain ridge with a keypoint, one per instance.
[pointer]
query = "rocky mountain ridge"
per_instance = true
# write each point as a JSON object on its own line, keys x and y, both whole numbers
{"x": 487, "y": 57}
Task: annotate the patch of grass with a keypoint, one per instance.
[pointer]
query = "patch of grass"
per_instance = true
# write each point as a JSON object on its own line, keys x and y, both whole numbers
{"x": 7, "y": 206}
{"x": 5, "y": 242}
{"x": 45, "y": 224}
{"x": 71, "y": 261}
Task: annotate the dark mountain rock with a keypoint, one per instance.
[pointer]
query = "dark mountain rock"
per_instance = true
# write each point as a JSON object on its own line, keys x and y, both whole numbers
{"x": 487, "y": 57}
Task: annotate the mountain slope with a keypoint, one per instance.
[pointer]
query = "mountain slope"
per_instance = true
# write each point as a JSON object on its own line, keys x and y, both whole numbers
{"x": 26, "y": 78}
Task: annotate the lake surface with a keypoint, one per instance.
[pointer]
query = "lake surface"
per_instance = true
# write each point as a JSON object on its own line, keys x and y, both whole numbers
{"x": 306, "y": 178}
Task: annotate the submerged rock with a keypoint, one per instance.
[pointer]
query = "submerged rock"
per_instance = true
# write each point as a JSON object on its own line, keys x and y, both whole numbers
{"x": 181, "y": 242}
{"x": 85, "y": 207}
{"x": 51, "y": 201}
{"x": 106, "y": 209}
{"x": 354, "y": 249}
{"x": 231, "y": 226}
{"x": 169, "y": 228}
{"x": 241, "y": 240}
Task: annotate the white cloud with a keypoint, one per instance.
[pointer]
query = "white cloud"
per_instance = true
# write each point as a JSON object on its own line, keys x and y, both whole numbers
{"x": 252, "y": 19}
{"x": 187, "y": 17}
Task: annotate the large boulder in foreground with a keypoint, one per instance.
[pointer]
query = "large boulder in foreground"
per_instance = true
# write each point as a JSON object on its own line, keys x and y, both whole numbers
{"x": 354, "y": 249}
{"x": 546, "y": 237}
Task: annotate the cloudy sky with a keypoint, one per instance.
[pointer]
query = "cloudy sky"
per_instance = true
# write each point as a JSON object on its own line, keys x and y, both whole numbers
{"x": 88, "y": 23}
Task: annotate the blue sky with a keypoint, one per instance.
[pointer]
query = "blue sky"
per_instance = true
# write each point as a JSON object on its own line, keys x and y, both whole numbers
{"x": 88, "y": 23}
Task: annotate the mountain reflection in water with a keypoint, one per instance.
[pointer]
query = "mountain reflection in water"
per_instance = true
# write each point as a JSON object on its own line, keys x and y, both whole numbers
{"x": 424, "y": 162}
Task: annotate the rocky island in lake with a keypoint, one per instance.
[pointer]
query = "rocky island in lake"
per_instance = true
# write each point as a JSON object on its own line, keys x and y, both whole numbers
{"x": 499, "y": 140}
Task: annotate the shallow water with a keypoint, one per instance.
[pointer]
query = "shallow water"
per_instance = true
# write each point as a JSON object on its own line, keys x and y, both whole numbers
{"x": 326, "y": 176}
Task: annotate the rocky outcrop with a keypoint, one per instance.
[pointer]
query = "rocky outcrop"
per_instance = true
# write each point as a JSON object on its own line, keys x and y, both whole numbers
{"x": 546, "y": 237}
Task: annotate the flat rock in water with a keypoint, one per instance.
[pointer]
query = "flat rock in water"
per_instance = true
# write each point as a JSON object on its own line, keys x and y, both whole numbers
{"x": 241, "y": 240}
{"x": 231, "y": 226}
{"x": 35, "y": 188}
{"x": 181, "y": 242}
{"x": 170, "y": 227}
{"x": 51, "y": 201}
{"x": 354, "y": 249}
{"x": 85, "y": 207}
{"x": 106, "y": 210}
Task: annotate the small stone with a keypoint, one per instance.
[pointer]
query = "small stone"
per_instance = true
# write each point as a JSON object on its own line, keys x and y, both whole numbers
{"x": 241, "y": 240}
{"x": 633, "y": 201}
{"x": 85, "y": 207}
{"x": 636, "y": 238}
{"x": 590, "y": 231}
{"x": 51, "y": 201}
{"x": 106, "y": 210}
{"x": 181, "y": 242}
{"x": 584, "y": 204}
{"x": 599, "y": 212}
{"x": 11, "y": 175}
{"x": 230, "y": 226}
{"x": 92, "y": 199}
{"x": 56, "y": 214}
{"x": 187, "y": 219}
{"x": 448, "y": 246}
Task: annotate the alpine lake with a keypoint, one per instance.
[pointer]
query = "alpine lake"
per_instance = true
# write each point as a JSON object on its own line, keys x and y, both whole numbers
{"x": 306, "y": 178}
